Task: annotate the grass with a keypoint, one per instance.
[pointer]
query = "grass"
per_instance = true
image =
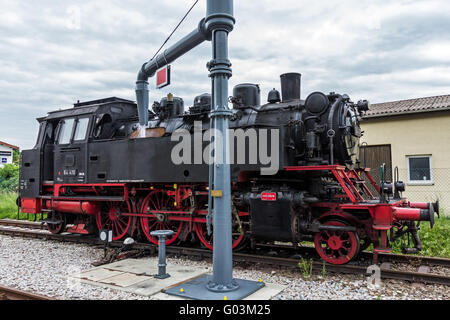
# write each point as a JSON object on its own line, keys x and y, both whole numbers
{"x": 8, "y": 207}
{"x": 306, "y": 268}
{"x": 435, "y": 242}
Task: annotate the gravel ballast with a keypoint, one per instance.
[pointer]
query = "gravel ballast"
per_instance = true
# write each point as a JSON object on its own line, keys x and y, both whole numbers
{"x": 42, "y": 266}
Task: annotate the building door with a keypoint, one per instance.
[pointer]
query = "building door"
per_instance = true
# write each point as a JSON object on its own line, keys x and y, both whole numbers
{"x": 373, "y": 157}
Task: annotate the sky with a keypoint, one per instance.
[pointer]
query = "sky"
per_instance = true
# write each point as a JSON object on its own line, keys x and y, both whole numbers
{"x": 53, "y": 53}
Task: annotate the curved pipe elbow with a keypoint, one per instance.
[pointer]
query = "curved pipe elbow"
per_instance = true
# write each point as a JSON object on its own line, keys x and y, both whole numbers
{"x": 196, "y": 37}
{"x": 142, "y": 74}
{"x": 207, "y": 35}
{"x": 149, "y": 68}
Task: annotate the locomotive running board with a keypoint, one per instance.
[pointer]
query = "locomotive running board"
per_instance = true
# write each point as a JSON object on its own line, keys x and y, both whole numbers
{"x": 86, "y": 198}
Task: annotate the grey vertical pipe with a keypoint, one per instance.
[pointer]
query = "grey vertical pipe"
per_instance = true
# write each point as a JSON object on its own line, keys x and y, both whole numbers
{"x": 162, "y": 234}
{"x": 162, "y": 256}
{"x": 220, "y": 21}
{"x": 169, "y": 55}
{"x": 211, "y": 171}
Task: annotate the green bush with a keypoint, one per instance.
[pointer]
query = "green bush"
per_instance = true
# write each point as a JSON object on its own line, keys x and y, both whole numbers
{"x": 9, "y": 177}
{"x": 9, "y": 184}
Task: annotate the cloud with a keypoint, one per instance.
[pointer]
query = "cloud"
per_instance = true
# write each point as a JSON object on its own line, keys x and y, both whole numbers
{"x": 55, "y": 53}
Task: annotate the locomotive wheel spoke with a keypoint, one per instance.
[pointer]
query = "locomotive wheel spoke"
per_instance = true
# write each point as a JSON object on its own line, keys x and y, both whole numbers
{"x": 238, "y": 234}
{"x": 59, "y": 227}
{"x": 336, "y": 247}
{"x": 159, "y": 200}
{"x": 111, "y": 219}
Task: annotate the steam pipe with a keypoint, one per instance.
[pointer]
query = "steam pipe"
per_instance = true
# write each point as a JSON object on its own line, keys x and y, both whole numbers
{"x": 148, "y": 69}
{"x": 332, "y": 110}
{"x": 331, "y": 133}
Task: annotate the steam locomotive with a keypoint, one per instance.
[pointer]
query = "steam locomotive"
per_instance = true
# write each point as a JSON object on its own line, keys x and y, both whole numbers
{"x": 295, "y": 172}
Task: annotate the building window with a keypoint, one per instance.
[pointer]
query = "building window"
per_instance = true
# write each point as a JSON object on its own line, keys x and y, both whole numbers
{"x": 420, "y": 171}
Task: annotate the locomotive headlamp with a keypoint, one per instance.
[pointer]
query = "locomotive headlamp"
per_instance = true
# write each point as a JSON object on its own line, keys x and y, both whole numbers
{"x": 386, "y": 187}
{"x": 400, "y": 186}
{"x": 363, "y": 105}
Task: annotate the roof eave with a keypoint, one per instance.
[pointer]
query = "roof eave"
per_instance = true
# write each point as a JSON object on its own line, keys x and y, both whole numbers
{"x": 402, "y": 113}
{"x": 9, "y": 145}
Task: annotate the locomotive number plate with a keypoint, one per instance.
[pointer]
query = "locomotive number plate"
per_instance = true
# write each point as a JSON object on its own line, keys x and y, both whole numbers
{"x": 269, "y": 196}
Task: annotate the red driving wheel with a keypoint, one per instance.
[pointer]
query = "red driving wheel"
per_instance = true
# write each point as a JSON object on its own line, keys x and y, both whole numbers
{"x": 113, "y": 219}
{"x": 335, "y": 246}
{"x": 159, "y": 200}
{"x": 56, "y": 228}
{"x": 238, "y": 230}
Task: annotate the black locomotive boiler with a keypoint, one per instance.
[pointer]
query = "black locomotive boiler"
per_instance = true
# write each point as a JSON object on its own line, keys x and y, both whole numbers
{"x": 90, "y": 171}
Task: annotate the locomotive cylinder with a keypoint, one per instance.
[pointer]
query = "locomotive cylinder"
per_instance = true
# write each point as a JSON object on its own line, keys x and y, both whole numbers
{"x": 80, "y": 207}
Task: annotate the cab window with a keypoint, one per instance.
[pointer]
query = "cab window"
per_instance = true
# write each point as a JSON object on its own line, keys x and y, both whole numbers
{"x": 81, "y": 129}
{"x": 66, "y": 131}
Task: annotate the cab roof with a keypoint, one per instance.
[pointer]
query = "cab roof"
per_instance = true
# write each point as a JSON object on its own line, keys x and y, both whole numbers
{"x": 88, "y": 107}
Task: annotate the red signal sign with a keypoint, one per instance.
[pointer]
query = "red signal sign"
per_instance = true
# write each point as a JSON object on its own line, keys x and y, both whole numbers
{"x": 163, "y": 77}
{"x": 268, "y": 196}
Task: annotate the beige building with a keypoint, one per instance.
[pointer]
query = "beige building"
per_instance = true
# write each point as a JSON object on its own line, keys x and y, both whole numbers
{"x": 413, "y": 135}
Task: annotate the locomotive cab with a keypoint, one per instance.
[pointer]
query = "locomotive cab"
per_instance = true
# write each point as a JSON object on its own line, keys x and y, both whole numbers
{"x": 61, "y": 151}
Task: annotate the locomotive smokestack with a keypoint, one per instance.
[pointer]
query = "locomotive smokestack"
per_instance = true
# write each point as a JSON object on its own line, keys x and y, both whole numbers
{"x": 290, "y": 86}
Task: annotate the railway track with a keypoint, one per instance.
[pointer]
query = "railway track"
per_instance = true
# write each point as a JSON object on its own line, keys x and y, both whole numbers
{"x": 287, "y": 257}
{"x": 7, "y": 293}
{"x": 23, "y": 224}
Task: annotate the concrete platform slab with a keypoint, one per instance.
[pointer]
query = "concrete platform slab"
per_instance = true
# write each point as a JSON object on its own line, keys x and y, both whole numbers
{"x": 147, "y": 267}
{"x": 136, "y": 276}
{"x": 125, "y": 279}
{"x": 97, "y": 274}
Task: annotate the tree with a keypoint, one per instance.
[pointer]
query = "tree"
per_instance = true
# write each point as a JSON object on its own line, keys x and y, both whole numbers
{"x": 16, "y": 156}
